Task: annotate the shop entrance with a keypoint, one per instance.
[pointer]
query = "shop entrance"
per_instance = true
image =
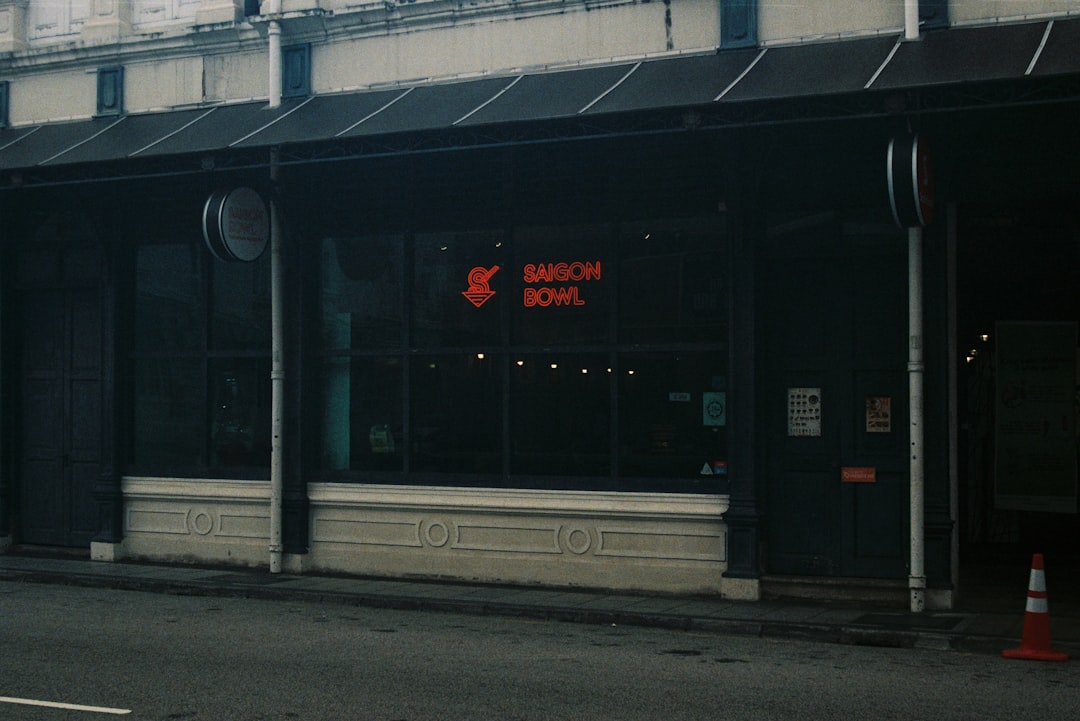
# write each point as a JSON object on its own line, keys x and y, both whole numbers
{"x": 1018, "y": 440}
{"x": 835, "y": 343}
{"x": 58, "y": 409}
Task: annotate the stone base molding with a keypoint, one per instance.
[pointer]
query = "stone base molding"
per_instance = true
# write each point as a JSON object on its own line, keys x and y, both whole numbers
{"x": 200, "y": 520}
{"x": 654, "y": 542}
{"x": 668, "y": 543}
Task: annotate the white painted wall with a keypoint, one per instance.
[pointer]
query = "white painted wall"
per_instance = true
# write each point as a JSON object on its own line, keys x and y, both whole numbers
{"x": 507, "y": 44}
{"x": 54, "y": 96}
{"x": 161, "y": 84}
{"x": 963, "y": 12}
{"x": 791, "y": 22}
{"x": 234, "y": 76}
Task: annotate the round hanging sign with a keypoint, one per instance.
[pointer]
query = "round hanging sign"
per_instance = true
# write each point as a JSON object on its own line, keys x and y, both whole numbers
{"x": 236, "y": 224}
{"x": 911, "y": 181}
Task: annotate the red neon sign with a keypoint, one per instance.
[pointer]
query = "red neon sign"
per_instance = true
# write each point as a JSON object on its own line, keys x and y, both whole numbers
{"x": 545, "y": 296}
{"x": 480, "y": 291}
{"x": 547, "y": 272}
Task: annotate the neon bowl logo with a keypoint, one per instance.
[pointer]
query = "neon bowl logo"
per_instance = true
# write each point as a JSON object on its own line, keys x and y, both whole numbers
{"x": 480, "y": 291}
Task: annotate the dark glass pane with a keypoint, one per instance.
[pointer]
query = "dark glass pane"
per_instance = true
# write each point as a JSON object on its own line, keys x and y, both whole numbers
{"x": 561, "y": 285}
{"x": 560, "y": 415}
{"x": 170, "y": 413}
{"x": 673, "y": 415}
{"x": 361, "y": 414}
{"x": 361, "y": 292}
{"x": 241, "y": 417}
{"x": 240, "y": 305}
{"x": 456, "y": 413}
{"x": 168, "y": 307}
{"x": 672, "y": 279}
{"x": 458, "y": 296}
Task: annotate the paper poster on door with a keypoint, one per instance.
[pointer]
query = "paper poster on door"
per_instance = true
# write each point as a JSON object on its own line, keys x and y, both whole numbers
{"x": 804, "y": 412}
{"x": 878, "y": 414}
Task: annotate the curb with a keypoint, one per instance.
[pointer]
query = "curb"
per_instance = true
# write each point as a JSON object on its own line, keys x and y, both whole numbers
{"x": 827, "y": 633}
{"x": 842, "y": 633}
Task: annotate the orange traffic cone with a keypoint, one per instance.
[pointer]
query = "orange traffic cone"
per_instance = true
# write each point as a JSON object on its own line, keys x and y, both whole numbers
{"x": 1035, "y": 644}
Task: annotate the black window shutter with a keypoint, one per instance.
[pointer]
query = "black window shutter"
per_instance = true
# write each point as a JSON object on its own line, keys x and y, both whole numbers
{"x": 296, "y": 71}
{"x": 110, "y": 91}
{"x": 933, "y": 14}
{"x": 738, "y": 23}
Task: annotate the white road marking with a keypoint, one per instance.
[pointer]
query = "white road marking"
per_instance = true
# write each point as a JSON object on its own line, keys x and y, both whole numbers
{"x": 68, "y": 706}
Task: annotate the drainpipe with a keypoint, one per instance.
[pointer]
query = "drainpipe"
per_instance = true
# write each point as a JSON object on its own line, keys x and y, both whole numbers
{"x": 911, "y": 19}
{"x": 277, "y": 369}
{"x": 273, "y": 9}
{"x": 917, "y": 574}
{"x": 277, "y": 373}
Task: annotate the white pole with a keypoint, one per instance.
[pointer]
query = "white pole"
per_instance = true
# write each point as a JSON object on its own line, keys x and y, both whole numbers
{"x": 917, "y": 573}
{"x": 277, "y": 376}
{"x": 911, "y": 19}
{"x": 273, "y": 9}
{"x": 274, "y": 66}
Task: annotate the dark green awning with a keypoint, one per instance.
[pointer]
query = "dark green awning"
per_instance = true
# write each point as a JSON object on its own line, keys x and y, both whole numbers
{"x": 729, "y": 79}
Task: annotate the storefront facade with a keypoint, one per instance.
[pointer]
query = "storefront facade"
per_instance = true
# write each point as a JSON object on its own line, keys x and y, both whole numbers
{"x": 638, "y": 324}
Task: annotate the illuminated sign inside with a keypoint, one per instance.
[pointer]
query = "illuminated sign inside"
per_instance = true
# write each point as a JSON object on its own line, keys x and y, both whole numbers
{"x": 480, "y": 291}
{"x": 547, "y": 272}
{"x": 546, "y": 295}
{"x": 540, "y": 280}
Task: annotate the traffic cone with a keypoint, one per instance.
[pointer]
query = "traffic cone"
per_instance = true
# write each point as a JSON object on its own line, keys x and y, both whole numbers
{"x": 1035, "y": 645}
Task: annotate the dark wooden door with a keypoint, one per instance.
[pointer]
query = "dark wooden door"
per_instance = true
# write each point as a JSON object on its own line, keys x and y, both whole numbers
{"x": 835, "y": 395}
{"x": 59, "y": 414}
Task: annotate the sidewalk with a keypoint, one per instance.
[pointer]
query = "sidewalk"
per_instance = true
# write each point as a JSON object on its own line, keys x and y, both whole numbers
{"x": 983, "y": 630}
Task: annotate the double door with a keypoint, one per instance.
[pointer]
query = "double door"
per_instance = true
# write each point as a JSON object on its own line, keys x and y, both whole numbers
{"x": 58, "y": 414}
{"x": 836, "y": 416}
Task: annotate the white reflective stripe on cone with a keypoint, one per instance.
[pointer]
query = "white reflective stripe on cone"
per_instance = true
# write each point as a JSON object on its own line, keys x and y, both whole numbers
{"x": 1038, "y": 581}
{"x": 1037, "y": 605}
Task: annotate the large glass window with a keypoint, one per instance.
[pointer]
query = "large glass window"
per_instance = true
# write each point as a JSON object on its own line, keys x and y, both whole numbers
{"x": 672, "y": 283}
{"x": 201, "y": 361}
{"x": 672, "y": 414}
{"x": 561, "y": 415}
{"x": 579, "y": 356}
{"x": 361, "y": 288}
{"x": 455, "y": 276}
{"x": 562, "y": 285}
{"x": 456, "y": 413}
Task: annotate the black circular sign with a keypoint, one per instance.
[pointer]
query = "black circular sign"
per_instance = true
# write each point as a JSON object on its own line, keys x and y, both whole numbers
{"x": 236, "y": 224}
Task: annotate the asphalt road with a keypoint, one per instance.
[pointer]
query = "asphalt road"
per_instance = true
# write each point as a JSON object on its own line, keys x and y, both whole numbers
{"x": 221, "y": 659}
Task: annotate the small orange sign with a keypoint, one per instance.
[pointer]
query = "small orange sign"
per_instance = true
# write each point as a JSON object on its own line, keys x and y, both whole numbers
{"x": 858, "y": 474}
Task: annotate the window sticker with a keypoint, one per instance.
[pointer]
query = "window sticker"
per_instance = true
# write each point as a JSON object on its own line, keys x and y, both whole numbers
{"x": 878, "y": 414}
{"x": 714, "y": 408}
{"x": 804, "y": 412}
